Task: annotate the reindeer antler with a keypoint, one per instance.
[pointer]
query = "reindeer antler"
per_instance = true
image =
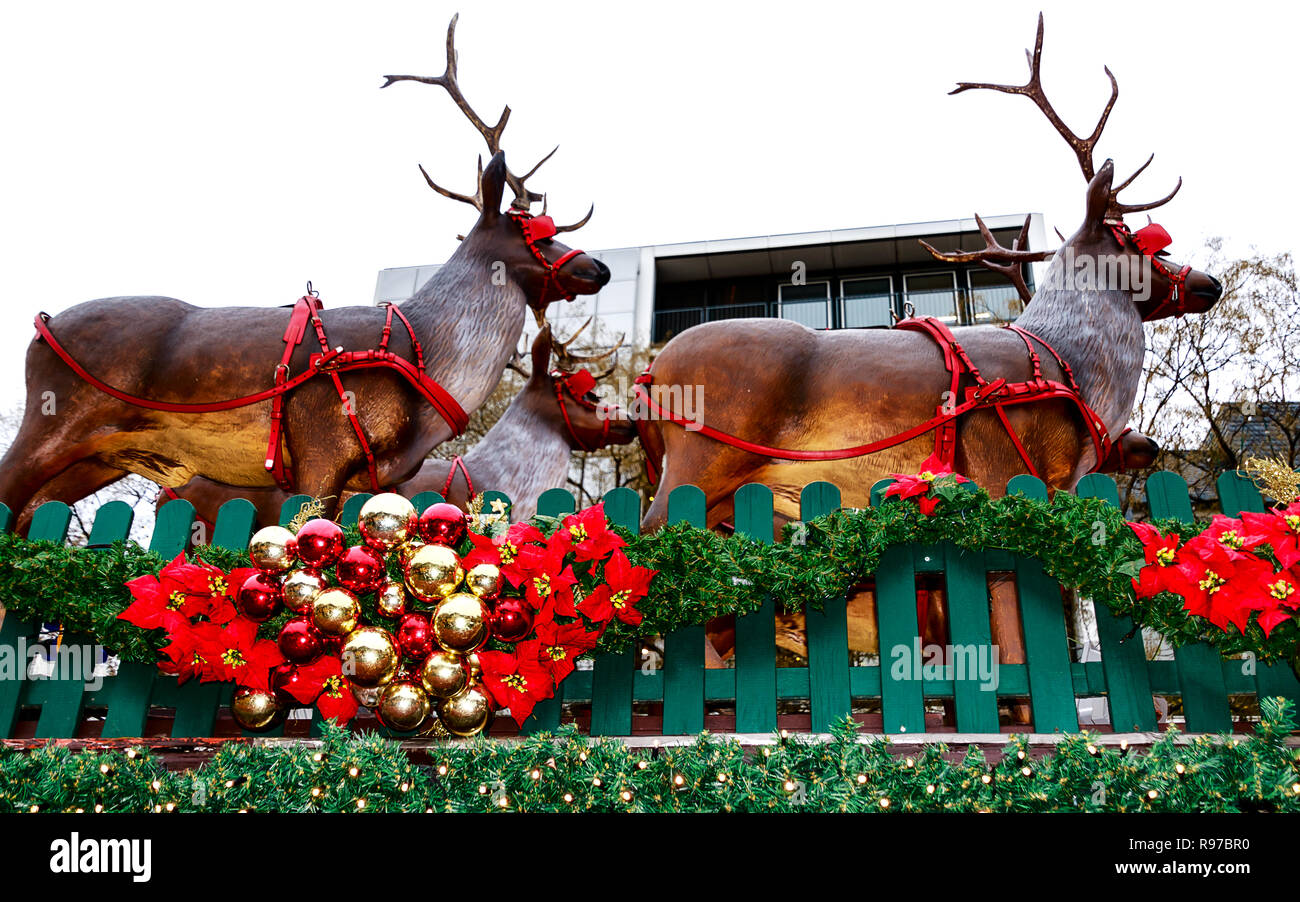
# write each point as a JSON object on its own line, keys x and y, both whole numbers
{"x": 524, "y": 198}
{"x": 1083, "y": 147}
{"x": 568, "y": 362}
{"x": 997, "y": 258}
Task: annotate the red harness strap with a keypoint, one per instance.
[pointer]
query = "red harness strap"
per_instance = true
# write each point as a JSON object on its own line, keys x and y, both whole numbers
{"x": 457, "y": 464}
{"x": 997, "y": 394}
{"x": 328, "y": 361}
{"x": 576, "y": 385}
{"x": 170, "y": 495}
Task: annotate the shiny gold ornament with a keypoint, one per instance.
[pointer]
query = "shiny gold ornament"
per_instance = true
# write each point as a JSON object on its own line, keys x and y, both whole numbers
{"x": 386, "y": 520}
{"x": 460, "y": 623}
{"x": 408, "y": 548}
{"x": 335, "y": 611}
{"x": 370, "y": 656}
{"x": 404, "y": 706}
{"x": 467, "y": 712}
{"x": 434, "y": 572}
{"x": 484, "y": 580}
{"x": 442, "y": 674}
{"x": 256, "y": 709}
{"x": 367, "y": 696}
{"x": 300, "y": 589}
{"x": 472, "y": 665}
{"x": 271, "y": 549}
{"x": 391, "y": 600}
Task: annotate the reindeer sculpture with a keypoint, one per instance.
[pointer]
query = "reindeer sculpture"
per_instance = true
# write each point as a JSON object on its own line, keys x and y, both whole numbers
{"x": 146, "y": 353}
{"x": 525, "y": 452}
{"x": 868, "y": 395}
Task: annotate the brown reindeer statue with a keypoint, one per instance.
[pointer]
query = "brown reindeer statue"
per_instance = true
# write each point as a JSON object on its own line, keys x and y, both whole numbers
{"x": 788, "y": 405}
{"x": 525, "y": 452}
{"x": 145, "y": 353}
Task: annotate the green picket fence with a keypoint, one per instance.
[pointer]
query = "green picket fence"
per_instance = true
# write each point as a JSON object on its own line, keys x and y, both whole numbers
{"x": 617, "y": 690}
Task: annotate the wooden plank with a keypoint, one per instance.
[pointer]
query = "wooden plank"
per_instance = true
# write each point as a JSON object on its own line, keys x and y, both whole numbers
{"x": 965, "y": 576}
{"x": 352, "y": 509}
{"x": 58, "y": 699}
{"x": 425, "y": 500}
{"x": 1238, "y": 494}
{"x": 611, "y": 678}
{"x": 171, "y": 529}
{"x": 756, "y": 632}
{"x": 492, "y": 495}
{"x": 14, "y": 635}
{"x": 1200, "y": 674}
{"x": 50, "y": 522}
{"x": 112, "y": 524}
{"x": 236, "y": 522}
{"x": 902, "y": 703}
{"x": 1047, "y": 649}
{"x": 546, "y": 716}
{"x": 828, "y": 630}
{"x": 1123, "y": 660}
{"x": 6, "y": 518}
{"x": 684, "y": 648}
{"x": 289, "y": 509}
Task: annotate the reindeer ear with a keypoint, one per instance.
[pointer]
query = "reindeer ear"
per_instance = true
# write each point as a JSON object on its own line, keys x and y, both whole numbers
{"x": 541, "y": 353}
{"x": 1099, "y": 195}
{"x": 493, "y": 184}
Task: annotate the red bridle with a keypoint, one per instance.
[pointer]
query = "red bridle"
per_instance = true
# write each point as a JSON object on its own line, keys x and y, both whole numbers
{"x": 1150, "y": 240}
{"x": 578, "y": 385}
{"x": 536, "y": 229}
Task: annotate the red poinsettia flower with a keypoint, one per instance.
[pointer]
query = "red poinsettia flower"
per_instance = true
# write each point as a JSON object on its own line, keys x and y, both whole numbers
{"x": 179, "y": 593}
{"x": 334, "y": 699}
{"x": 588, "y": 535}
{"x": 237, "y": 654}
{"x": 517, "y": 680}
{"x": 1160, "y": 552}
{"x": 1223, "y": 590}
{"x": 1233, "y": 535}
{"x": 504, "y": 551}
{"x": 544, "y": 573}
{"x": 560, "y": 646}
{"x": 1280, "y": 529}
{"x": 223, "y": 587}
{"x": 1277, "y": 600}
{"x": 624, "y": 586}
{"x": 918, "y": 485}
{"x": 188, "y": 653}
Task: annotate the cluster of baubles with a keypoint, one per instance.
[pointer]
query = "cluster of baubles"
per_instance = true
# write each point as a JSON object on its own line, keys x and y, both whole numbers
{"x": 421, "y": 663}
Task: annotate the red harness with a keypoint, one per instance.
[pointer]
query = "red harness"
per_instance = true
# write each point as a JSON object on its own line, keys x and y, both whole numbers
{"x": 1151, "y": 239}
{"x": 578, "y": 385}
{"x": 998, "y": 394}
{"x": 536, "y": 229}
{"x": 328, "y": 361}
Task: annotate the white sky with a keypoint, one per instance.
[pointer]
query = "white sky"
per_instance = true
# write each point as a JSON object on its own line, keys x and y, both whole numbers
{"x": 225, "y": 154}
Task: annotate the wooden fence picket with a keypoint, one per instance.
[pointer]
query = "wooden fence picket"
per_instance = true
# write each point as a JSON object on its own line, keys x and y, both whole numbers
{"x": 59, "y": 699}
{"x": 684, "y": 647}
{"x": 756, "y": 632}
{"x": 612, "y": 674}
{"x": 352, "y": 509}
{"x": 546, "y": 716}
{"x": 829, "y": 694}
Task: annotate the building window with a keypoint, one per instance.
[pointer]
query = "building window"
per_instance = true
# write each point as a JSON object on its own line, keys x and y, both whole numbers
{"x": 932, "y": 294}
{"x": 866, "y": 302}
{"x": 808, "y": 304}
{"x": 992, "y": 298}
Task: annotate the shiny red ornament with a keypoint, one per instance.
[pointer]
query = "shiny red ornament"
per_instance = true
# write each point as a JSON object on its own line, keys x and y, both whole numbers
{"x": 415, "y": 636}
{"x": 361, "y": 569}
{"x": 320, "y": 543}
{"x": 443, "y": 523}
{"x": 283, "y": 680}
{"x": 259, "y": 597}
{"x": 512, "y": 620}
{"x": 300, "y": 642}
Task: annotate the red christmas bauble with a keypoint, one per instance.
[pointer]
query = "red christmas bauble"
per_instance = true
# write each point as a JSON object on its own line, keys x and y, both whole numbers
{"x": 259, "y": 597}
{"x": 442, "y": 523}
{"x": 512, "y": 620}
{"x": 361, "y": 569}
{"x": 415, "y": 635}
{"x": 282, "y": 680}
{"x": 300, "y": 642}
{"x": 320, "y": 543}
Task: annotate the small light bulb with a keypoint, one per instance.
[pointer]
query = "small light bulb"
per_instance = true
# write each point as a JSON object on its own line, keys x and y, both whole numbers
{"x": 930, "y": 789}
{"x": 626, "y": 795}
{"x": 884, "y": 803}
{"x": 862, "y": 779}
{"x": 1152, "y": 794}
{"x": 361, "y": 803}
{"x": 986, "y": 779}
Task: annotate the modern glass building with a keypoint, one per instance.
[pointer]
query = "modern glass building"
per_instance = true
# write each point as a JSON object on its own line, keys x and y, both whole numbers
{"x": 841, "y": 279}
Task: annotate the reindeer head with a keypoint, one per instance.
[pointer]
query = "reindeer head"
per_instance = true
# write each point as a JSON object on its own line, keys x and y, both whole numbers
{"x": 1109, "y": 253}
{"x": 563, "y": 396}
{"x": 516, "y": 244}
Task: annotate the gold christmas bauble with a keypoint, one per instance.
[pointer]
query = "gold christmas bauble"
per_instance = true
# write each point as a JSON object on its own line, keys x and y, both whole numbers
{"x": 442, "y": 674}
{"x": 386, "y": 521}
{"x": 434, "y": 572}
{"x": 272, "y": 549}
{"x": 408, "y": 548}
{"x": 467, "y": 712}
{"x": 390, "y": 600}
{"x": 484, "y": 580}
{"x": 370, "y": 656}
{"x": 335, "y": 611}
{"x": 256, "y": 709}
{"x": 460, "y": 623}
{"x": 472, "y": 665}
{"x": 300, "y": 589}
{"x": 367, "y": 696}
{"x": 404, "y": 706}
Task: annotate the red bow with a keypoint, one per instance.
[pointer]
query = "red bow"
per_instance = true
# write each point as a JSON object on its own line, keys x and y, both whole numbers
{"x": 1152, "y": 238}
{"x": 537, "y": 228}
{"x": 580, "y": 383}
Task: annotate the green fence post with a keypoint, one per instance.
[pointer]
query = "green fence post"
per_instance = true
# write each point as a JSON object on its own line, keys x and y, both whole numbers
{"x": 546, "y": 715}
{"x": 684, "y": 648}
{"x": 756, "y": 632}
{"x": 611, "y": 678}
{"x": 828, "y": 631}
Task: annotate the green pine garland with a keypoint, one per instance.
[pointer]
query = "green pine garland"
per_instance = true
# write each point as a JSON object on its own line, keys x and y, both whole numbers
{"x": 568, "y": 772}
{"x": 1081, "y": 542}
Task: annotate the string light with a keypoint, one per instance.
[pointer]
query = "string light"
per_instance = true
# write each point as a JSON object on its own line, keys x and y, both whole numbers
{"x": 929, "y": 790}
{"x": 862, "y": 779}
{"x": 884, "y": 802}
{"x": 442, "y": 770}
